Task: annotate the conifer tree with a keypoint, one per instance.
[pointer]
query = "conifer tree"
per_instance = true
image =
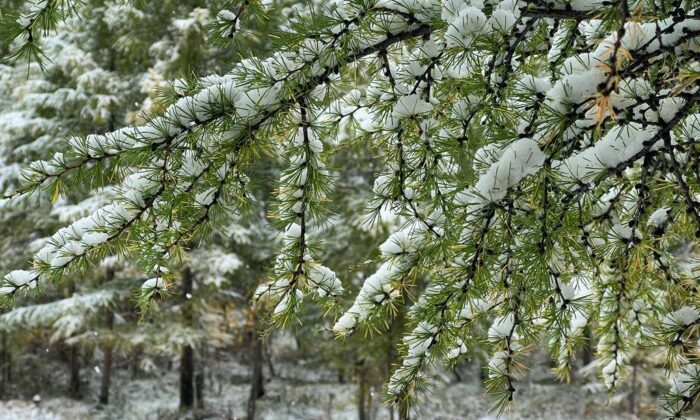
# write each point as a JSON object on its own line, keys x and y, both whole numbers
{"x": 87, "y": 79}
{"x": 542, "y": 156}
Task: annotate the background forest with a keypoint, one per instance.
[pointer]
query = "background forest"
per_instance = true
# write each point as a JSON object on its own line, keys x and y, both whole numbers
{"x": 95, "y": 345}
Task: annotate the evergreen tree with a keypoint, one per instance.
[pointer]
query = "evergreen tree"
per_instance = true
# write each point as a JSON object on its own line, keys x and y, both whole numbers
{"x": 542, "y": 157}
{"x": 99, "y": 70}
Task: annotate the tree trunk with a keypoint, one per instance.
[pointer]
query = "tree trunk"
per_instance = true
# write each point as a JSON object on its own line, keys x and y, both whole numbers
{"x": 135, "y": 363}
{"x": 5, "y": 359}
{"x": 268, "y": 357}
{"x": 587, "y": 356}
{"x": 8, "y": 364}
{"x": 362, "y": 393}
{"x": 633, "y": 392}
{"x": 74, "y": 361}
{"x": 329, "y": 410}
{"x": 107, "y": 349}
{"x": 187, "y": 355}
{"x": 187, "y": 377}
{"x": 256, "y": 381}
{"x": 107, "y": 362}
{"x": 73, "y": 355}
{"x": 199, "y": 389}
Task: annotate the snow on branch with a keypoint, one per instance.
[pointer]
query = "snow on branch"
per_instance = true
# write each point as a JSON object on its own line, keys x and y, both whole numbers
{"x": 540, "y": 159}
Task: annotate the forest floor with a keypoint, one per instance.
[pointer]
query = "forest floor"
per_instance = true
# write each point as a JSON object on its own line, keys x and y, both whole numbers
{"x": 292, "y": 394}
{"x": 303, "y": 389}
{"x": 326, "y": 401}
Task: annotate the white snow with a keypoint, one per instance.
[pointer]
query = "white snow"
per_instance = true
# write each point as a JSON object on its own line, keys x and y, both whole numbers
{"x": 410, "y": 105}
{"x": 502, "y": 327}
{"x": 153, "y": 283}
{"x": 659, "y": 217}
{"x": 618, "y": 146}
{"x": 682, "y": 317}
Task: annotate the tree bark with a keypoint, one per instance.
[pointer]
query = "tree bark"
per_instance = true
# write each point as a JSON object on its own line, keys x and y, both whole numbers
{"x": 187, "y": 377}
{"x": 107, "y": 350}
{"x": 257, "y": 389}
{"x": 74, "y": 361}
{"x": 633, "y": 392}
{"x": 199, "y": 389}
{"x": 135, "y": 363}
{"x": 73, "y": 355}
{"x": 362, "y": 393}
{"x": 268, "y": 357}
{"x": 107, "y": 362}
{"x": 587, "y": 353}
{"x": 187, "y": 354}
{"x": 199, "y": 379}
{"x": 5, "y": 359}
{"x": 8, "y": 365}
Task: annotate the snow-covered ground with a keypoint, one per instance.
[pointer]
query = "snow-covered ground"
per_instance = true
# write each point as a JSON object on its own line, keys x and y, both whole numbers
{"x": 151, "y": 400}
{"x": 303, "y": 388}
{"x": 291, "y": 395}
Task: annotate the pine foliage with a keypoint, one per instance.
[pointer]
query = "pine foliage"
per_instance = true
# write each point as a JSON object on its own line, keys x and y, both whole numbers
{"x": 542, "y": 156}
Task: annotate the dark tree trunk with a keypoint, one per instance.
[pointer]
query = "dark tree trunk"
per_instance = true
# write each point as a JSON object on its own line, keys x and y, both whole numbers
{"x": 199, "y": 389}
{"x": 587, "y": 356}
{"x": 257, "y": 389}
{"x": 187, "y": 377}
{"x": 6, "y": 361}
{"x": 199, "y": 378}
{"x": 107, "y": 362}
{"x": 268, "y": 357}
{"x": 362, "y": 393}
{"x": 135, "y": 363}
{"x": 73, "y": 355}
{"x": 8, "y": 365}
{"x": 74, "y": 361}
{"x": 187, "y": 355}
{"x": 107, "y": 350}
